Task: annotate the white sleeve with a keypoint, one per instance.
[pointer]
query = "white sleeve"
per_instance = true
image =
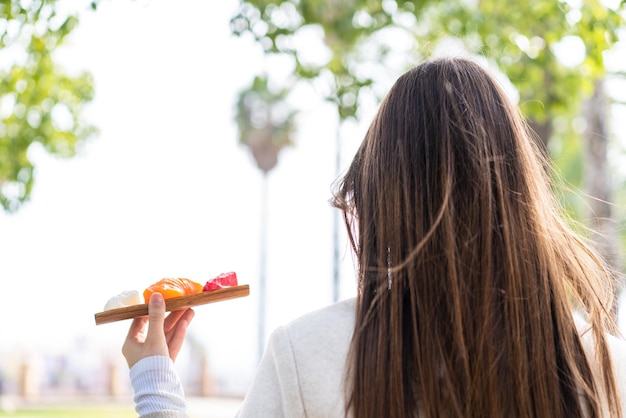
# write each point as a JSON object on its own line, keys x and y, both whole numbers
{"x": 157, "y": 388}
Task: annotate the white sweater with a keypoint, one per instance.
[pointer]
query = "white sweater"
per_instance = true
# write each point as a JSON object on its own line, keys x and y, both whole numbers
{"x": 301, "y": 373}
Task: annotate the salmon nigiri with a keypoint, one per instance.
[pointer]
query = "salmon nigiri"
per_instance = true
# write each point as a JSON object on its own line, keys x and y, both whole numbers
{"x": 172, "y": 288}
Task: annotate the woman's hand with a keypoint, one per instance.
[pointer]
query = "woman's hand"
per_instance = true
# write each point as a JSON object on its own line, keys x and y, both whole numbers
{"x": 156, "y": 335}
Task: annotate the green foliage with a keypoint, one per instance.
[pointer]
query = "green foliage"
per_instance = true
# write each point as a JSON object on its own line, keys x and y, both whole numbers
{"x": 520, "y": 40}
{"x": 259, "y": 106}
{"x": 551, "y": 51}
{"x": 277, "y": 25}
{"x": 39, "y": 102}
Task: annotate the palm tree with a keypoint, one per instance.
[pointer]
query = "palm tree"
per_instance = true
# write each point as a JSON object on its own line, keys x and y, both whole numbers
{"x": 266, "y": 126}
{"x": 599, "y": 185}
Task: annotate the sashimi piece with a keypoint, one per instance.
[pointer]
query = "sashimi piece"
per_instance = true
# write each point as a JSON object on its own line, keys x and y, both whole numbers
{"x": 223, "y": 280}
{"x": 172, "y": 288}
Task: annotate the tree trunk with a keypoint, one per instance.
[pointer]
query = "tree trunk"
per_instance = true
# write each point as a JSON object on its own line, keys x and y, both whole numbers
{"x": 599, "y": 186}
{"x": 543, "y": 131}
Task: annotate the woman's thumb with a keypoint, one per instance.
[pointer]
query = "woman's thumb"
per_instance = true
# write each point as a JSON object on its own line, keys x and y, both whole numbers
{"x": 156, "y": 317}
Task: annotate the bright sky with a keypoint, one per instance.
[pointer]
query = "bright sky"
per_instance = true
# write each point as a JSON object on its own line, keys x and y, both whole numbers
{"x": 166, "y": 191}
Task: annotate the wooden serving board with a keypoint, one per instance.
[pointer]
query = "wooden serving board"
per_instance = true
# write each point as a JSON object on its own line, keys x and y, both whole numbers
{"x": 173, "y": 304}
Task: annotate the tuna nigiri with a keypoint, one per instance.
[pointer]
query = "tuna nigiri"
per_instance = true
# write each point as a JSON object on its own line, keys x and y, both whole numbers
{"x": 172, "y": 288}
{"x": 221, "y": 281}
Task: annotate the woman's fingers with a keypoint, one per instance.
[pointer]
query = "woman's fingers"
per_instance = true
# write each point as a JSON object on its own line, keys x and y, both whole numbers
{"x": 137, "y": 330}
{"x": 176, "y": 336}
{"x": 172, "y": 319}
{"x": 134, "y": 343}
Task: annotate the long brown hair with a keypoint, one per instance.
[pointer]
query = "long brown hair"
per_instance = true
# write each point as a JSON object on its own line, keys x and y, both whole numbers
{"x": 468, "y": 275}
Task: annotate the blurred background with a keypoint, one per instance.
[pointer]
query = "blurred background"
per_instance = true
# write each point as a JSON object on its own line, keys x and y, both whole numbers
{"x": 142, "y": 139}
